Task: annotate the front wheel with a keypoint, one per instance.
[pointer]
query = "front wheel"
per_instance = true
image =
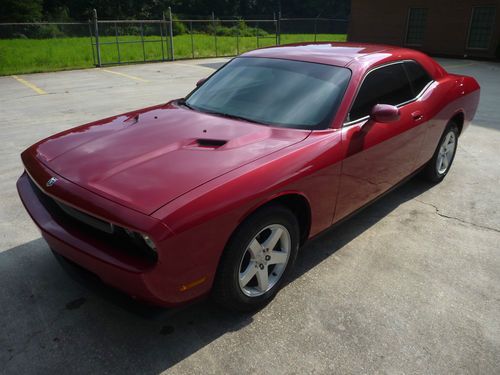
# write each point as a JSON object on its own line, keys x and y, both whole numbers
{"x": 437, "y": 168}
{"x": 257, "y": 259}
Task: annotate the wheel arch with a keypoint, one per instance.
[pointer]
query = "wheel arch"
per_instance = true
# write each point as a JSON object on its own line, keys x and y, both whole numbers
{"x": 296, "y": 202}
{"x": 458, "y": 118}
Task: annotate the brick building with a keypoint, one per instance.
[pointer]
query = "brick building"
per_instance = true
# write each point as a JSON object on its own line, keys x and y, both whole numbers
{"x": 439, "y": 27}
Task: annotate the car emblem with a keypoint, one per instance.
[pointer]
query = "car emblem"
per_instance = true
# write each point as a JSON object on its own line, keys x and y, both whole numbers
{"x": 51, "y": 182}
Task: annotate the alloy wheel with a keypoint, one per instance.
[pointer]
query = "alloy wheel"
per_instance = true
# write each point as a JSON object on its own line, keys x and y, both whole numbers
{"x": 264, "y": 260}
{"x": 446, "y": 152}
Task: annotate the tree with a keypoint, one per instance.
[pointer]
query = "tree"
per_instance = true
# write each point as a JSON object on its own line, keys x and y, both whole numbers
{"x": 21, "y": 10}
{"x": 80, "y": 10}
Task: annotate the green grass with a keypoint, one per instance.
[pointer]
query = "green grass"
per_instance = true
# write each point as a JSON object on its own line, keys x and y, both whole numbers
{"x": 42, "y": 55}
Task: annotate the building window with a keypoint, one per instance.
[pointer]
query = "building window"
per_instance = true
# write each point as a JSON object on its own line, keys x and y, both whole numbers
{"x": 481, "y": 27}
{"x": 417, "y": 18}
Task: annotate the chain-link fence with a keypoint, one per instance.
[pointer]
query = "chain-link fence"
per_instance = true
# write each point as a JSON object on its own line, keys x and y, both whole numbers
{"x": 296, "y": 30}
{"x": 216, "y": 38}
{"x": 29, "y": 47}
{"x": 130, "y": 41}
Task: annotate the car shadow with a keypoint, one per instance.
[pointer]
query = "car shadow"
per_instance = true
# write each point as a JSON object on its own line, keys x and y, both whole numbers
{"x": 51, "y": 321}
{"x": 328, "y": 242}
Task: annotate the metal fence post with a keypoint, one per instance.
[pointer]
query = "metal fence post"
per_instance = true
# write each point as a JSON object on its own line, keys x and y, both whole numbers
{"x": 171, "y": 29}
{"x": 215, "y": 33}
{"x": 275, "y": 30}
{"x": 167, "y": 39}
{"x": 162, "y": 21}
{"x": 192, "y": 39}
{"x": 91, "y": 41}
{"x": 96, "y": 34}
{"x": 238, "y": 37}
{"x": 117, "y": 43}
{"x": 315, "y": 29}
{"x": 257, "y": 33}
{"x": 142, "y": 41}
{"x": 279, "y": 28}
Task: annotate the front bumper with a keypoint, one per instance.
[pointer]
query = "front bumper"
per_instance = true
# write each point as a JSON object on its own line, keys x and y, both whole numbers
{"x": 134, "y": 276}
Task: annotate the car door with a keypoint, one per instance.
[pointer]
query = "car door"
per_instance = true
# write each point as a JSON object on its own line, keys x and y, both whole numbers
{"x": 421, "y": 83}
{"x": 379, "y": 155}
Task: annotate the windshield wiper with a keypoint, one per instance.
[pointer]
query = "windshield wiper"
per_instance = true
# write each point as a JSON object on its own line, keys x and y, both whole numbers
{"x": 235, "y": 117}
{"x": 222, "y": 114}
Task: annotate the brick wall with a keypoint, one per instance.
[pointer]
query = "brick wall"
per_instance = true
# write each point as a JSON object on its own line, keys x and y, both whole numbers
{"x": 446, "y": 28}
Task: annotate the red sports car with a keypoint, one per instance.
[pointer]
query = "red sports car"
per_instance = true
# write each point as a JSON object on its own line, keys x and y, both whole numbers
{"x": 215, "y": 193}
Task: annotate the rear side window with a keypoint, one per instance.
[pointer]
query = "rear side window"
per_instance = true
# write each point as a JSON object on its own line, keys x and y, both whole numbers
{"x": 386, "y": 85}
{"x": 419, "y": 78}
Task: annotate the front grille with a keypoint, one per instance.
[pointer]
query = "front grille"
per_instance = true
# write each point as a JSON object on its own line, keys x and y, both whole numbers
{"x": 85, "y": 218}
{"x": 74, "y": 213}
{"x": 88, "y": 225}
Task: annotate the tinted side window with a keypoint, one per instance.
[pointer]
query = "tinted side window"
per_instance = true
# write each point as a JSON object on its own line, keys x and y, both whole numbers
{"x": 419, "y": 78}
{"x": 387, "y": 85}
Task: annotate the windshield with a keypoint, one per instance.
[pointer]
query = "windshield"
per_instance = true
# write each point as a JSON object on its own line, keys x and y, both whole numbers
{"x": 276, "y": 92}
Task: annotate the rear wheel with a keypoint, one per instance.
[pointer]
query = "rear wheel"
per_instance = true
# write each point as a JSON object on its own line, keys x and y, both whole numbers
{"x": 257, "y": 260}
{"x": 437, "y": 168}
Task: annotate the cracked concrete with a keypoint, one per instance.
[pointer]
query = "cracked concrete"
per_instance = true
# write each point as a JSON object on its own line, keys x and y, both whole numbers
{"x": 410, "y": 285}
{"x": 436, "y": 208}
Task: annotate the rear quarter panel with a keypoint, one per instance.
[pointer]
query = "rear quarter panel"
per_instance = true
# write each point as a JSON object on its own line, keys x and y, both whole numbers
{"x": 449, "y": 96}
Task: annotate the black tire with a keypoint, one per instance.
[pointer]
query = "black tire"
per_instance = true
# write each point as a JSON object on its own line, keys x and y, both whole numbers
{"x": 227, "y": 291}
{"x": 431, "y": 172}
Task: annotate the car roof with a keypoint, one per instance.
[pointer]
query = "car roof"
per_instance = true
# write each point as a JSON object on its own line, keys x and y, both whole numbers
{"x": 336, "y": 53}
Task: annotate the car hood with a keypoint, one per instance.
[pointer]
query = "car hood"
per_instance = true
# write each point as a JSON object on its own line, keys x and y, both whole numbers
{"x": 147, "y": 158}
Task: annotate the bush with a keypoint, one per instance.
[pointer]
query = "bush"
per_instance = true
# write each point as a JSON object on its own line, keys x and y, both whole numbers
{"x": 240, "y": 29}
{"x": 34, "y": 31}
{"x": 123, "y": 29}
{"x": 49, "y": 31}
{"x": 178, "y": 27}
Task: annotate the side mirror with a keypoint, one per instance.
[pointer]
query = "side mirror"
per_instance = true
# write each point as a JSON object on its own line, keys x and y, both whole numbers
{"x": 200, "y": 82}
{"x": 385, "y": 113}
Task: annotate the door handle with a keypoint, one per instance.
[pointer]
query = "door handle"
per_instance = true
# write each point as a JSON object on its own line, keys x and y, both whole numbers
{"x": 417, "y": 116}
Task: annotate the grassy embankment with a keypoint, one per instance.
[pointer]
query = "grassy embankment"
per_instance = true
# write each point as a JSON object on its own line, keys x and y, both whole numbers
{"x": 19, "y": 56}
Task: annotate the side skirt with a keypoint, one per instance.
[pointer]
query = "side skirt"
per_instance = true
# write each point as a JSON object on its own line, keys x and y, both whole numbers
{"x": 357, "y": 211}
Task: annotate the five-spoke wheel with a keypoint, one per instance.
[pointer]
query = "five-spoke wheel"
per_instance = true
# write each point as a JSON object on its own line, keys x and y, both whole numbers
{"x": 437, "y": 168}
{"x": 446, "y": 153}
{"x": 264, "y": 260}
{"x": 257, "y": 259}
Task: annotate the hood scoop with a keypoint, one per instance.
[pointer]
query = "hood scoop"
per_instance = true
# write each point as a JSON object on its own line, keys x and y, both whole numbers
{"x": 207, "y": 143}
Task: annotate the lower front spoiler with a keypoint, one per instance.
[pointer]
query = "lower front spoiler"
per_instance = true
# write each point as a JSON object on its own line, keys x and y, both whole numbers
{"x": 124, "y": 276}
{"x": 108, "y": 293}
{"x": 131, "y": 284}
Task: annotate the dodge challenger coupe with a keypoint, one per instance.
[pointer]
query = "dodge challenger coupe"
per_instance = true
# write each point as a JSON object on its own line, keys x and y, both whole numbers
{"x": 214, "y": 193}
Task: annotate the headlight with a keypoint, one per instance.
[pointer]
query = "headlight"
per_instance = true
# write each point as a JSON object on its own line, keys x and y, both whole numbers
{"x": 141, "y": 238}
{"x": 129, "y": 232}
{"x": 149, "y": 242}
